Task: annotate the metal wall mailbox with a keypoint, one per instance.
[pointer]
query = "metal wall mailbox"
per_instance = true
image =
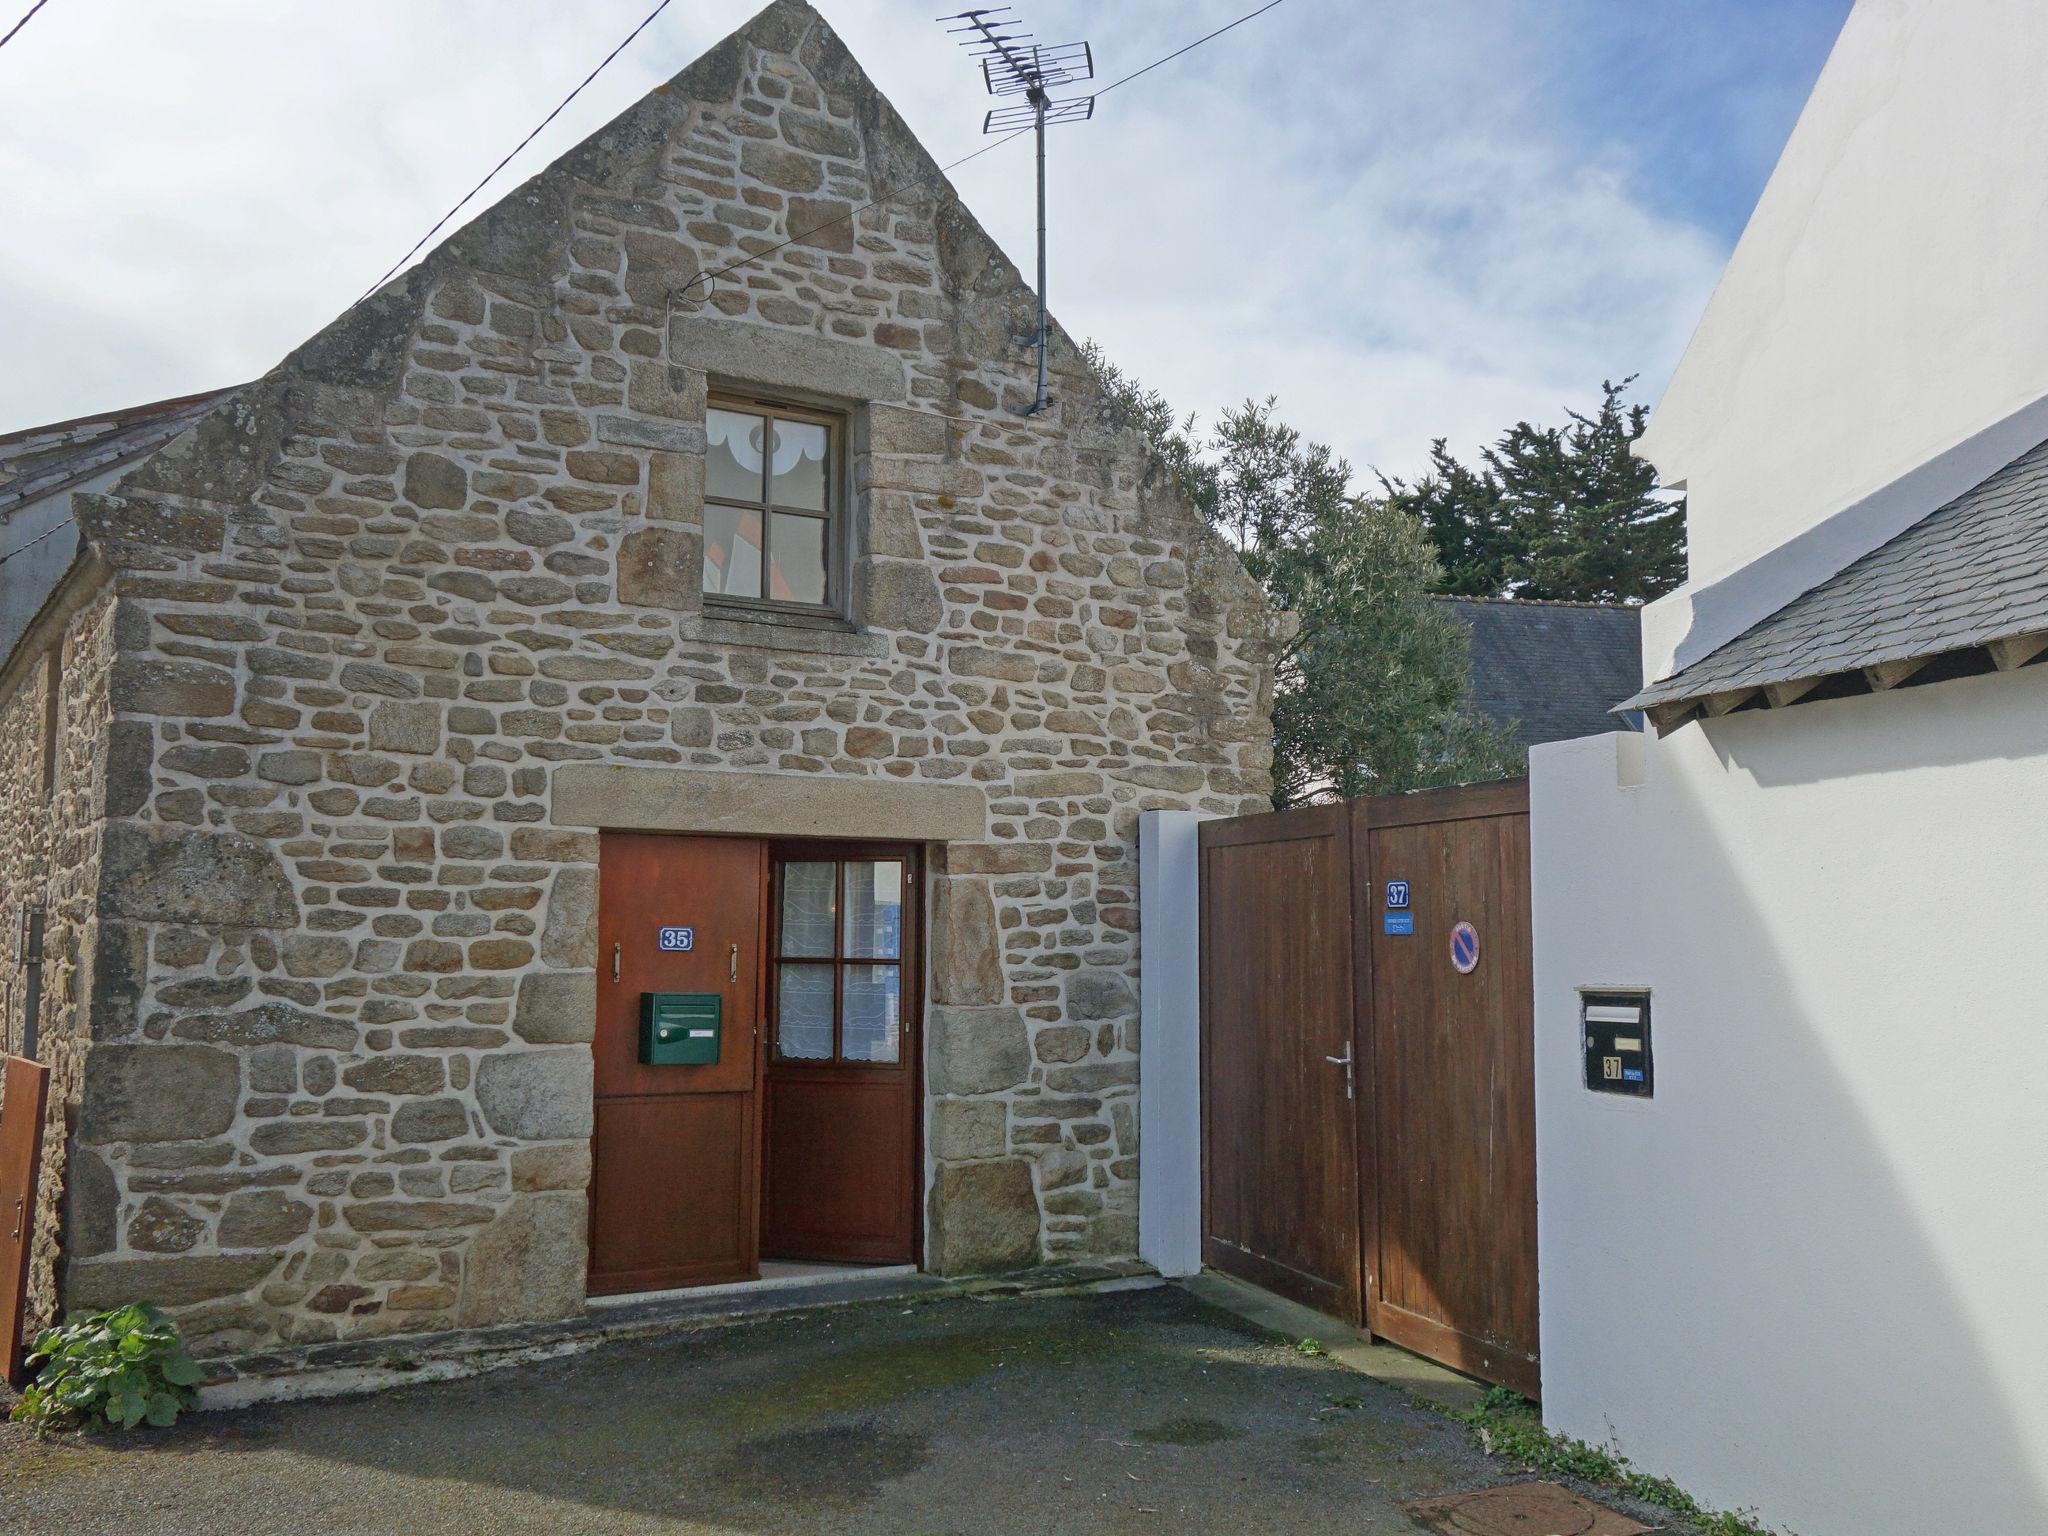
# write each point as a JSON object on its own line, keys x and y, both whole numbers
{"x": 1615, "y": 1027}
{"x": 680, "y": 1029}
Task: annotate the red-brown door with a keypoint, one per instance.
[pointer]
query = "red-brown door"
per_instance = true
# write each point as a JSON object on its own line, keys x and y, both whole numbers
{"x": 23, "y": 1087}
{"x": 674, "y": 1177}
{"x": 841, "y": 1081}
{"x": 1279, "y": 1150}
{"x": 1450, "y": 1134}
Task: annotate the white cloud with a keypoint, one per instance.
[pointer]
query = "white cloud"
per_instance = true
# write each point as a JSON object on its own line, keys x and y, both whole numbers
{"x": 1373, "y": 212}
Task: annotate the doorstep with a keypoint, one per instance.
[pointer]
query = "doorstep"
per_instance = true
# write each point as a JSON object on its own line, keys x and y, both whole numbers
{"x": 1425, "y": 1379}
{"x": 371, "y": 1365}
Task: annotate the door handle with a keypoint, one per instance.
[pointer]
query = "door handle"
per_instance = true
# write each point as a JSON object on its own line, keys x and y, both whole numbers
{"x": 735, "y": 975}
{"x": 1344, "y": 1061}
{"x": 615, "y": 962}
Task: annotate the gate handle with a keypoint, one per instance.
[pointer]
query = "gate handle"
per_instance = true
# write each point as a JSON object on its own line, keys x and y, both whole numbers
{"x": 615, "y": 962}
{"x": 735, "y": 962}
{"x": 1343, "y": 1061}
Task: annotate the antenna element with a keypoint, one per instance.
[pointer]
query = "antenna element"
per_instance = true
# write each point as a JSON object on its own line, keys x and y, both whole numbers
{"x": 1013, "y": 65}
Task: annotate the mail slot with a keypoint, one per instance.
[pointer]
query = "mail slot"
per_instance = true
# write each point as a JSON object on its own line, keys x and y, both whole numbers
{"x": 1615, "y": 1027}
{"x": 680, "y": 1029}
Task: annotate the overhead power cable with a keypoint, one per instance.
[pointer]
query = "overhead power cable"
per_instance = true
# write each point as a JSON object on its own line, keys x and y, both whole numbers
{"x": 539, "y": 127}
{"x": 1190, "y": 47}
{"x": 32, "y": 543}
{"x": 26, "y": 18}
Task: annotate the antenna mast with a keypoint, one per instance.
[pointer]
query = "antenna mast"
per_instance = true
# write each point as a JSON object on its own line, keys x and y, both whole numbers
{"x": 1013, "y": 65}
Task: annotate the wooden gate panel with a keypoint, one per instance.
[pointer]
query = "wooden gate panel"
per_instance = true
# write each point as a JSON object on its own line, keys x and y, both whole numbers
{"x": 1453, "y": 1229}
{"x": 24, "y": 1085}
{"x": 1280, "y": 1167}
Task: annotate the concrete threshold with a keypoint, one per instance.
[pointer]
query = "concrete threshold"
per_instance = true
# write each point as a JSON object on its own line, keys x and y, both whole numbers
{"x": 1434, "y": 1384}
{"x": 374, "y": 1365}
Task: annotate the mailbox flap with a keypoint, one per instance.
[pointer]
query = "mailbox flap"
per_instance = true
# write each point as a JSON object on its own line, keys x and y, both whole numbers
{"x": 680, "y": 1028}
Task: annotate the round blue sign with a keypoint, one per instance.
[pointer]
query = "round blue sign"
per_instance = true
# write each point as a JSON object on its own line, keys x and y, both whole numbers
{"x": 1465, "y": 948}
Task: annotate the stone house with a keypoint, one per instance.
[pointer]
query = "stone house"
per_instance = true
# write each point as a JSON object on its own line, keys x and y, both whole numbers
{"x": 388, "y": 745}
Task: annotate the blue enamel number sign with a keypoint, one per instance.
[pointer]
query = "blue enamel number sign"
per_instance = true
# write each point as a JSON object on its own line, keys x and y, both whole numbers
{"x": 677, "y": 940}
{"x": 1397, "y": 894}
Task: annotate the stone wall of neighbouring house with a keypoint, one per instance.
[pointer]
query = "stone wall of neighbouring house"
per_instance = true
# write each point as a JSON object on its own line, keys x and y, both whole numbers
{"x": 453, "y": 545}
{"x": 51, "y": 825}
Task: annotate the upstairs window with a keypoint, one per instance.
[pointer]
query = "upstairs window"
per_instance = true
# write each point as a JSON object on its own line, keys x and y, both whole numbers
{"x": 773, "y": 524}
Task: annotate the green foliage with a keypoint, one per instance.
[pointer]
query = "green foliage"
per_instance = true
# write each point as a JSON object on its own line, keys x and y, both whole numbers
{"x": 1309, "y": 1347}
{"x": 1370, "y": 675}
{"x": 112, "y": 1370}
{"x": 1553, "y": 512}
{"x": 1509, "y": 1427}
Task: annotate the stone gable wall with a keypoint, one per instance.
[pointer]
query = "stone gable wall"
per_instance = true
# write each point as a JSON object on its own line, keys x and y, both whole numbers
{"x": 452, "y": 547}
{"x": 50, "y": 850}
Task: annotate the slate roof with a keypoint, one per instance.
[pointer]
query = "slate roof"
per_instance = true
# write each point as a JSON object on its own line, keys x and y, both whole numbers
{"x": 1555, "y": 670}
{"x": 39, "y": 461}
{"x": 1969, "y": 574}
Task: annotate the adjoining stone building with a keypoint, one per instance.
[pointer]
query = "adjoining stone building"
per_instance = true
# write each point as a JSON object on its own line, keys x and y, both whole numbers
{"x": 552, "y": 629}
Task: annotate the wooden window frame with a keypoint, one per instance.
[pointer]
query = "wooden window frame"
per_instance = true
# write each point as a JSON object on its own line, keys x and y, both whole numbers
{"x": 908, "y": 959}
{"x": 836, "y": 565}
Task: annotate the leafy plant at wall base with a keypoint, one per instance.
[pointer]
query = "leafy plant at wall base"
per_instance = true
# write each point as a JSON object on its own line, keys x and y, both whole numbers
{"x": 1509, "y": 1427}
{"x": 112, "y": 1370}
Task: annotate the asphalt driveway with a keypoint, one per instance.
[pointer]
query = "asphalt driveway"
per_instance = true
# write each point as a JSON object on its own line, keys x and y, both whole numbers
{"x": 1132, "y": 1411}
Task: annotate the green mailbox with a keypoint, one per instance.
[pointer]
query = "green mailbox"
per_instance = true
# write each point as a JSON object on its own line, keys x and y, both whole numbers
{"x": 680, "y": 1029}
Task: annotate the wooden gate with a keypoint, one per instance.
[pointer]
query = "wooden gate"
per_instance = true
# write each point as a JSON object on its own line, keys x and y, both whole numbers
{"x": 1412, "y": 959}
{"x": 1279, "y": 1149}
{"x": 23, "y": 1086}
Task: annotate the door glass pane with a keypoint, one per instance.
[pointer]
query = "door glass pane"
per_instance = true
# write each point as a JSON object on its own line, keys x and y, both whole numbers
{"x": 732, "y": 454}
{"x": 874, "y": 909}
{"x": 797, "y": 559}
{"x": 874, "y": 1013}
{"x": 732, "y": 550}
{"x": 797, "y": 478}
{"x": 809, "y": 902}
{"x": 803, "y": 1012}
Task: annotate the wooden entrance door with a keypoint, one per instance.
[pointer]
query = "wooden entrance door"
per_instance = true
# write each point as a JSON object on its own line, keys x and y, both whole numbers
{"x": 1450, "y": 1122}
{"x": 1279, "y": 1154}
{"x": 24, "y": 1085}
{"x": 674, "y": 1177}
{"x": 841, "y": 1080}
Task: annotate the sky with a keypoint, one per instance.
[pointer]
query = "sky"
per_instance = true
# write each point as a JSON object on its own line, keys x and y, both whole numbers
{"x": 1404, "y": 218}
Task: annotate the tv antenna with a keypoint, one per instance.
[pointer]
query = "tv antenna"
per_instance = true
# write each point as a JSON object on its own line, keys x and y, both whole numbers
{"x": 1013, "y": 65}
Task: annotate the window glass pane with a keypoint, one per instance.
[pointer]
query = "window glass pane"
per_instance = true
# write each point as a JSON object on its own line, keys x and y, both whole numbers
{"x": 797, "y": 478}
{"x": 797, "y": 551}
{"x": 874, "y": 1012}
{"x": 732, "y": 550}
{"x": 732, "y": 454}
{"x": 874, "y": 909}
{"x": 809, "y": 904}
{"x": 803, "y": 1012}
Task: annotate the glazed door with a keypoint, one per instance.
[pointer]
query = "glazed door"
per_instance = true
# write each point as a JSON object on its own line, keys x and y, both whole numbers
{"x": 841, "y": 1079}
{"x": 674, "y": 1178}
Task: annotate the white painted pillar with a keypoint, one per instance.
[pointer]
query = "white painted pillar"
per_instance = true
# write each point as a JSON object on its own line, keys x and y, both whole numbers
{"x": 1170, "y": 1039}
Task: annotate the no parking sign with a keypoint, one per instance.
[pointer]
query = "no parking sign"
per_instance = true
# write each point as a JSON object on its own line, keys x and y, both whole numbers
{"x": 1465, "y": 948}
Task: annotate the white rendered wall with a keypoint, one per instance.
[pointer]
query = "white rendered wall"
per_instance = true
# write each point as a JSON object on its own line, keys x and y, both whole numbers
{"x": 1884, "y": 305}
{"x": 1170, "y": 1040}
{"x": 1809, "y": 1277}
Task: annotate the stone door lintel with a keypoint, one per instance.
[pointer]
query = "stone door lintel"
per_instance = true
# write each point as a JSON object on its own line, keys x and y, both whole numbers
{"x": 636, "y": 799}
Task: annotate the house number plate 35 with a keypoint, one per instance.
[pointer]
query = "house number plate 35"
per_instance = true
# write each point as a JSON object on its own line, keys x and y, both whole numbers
{"x": 677, "y": 940}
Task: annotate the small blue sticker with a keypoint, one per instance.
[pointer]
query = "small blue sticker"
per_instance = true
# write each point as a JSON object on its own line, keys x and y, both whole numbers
{"x": 678, "y": 940}
{"x": 1400, "y": 922}
{"x": 1397, "y": 894}
{"x": 1632, "y": 1074}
